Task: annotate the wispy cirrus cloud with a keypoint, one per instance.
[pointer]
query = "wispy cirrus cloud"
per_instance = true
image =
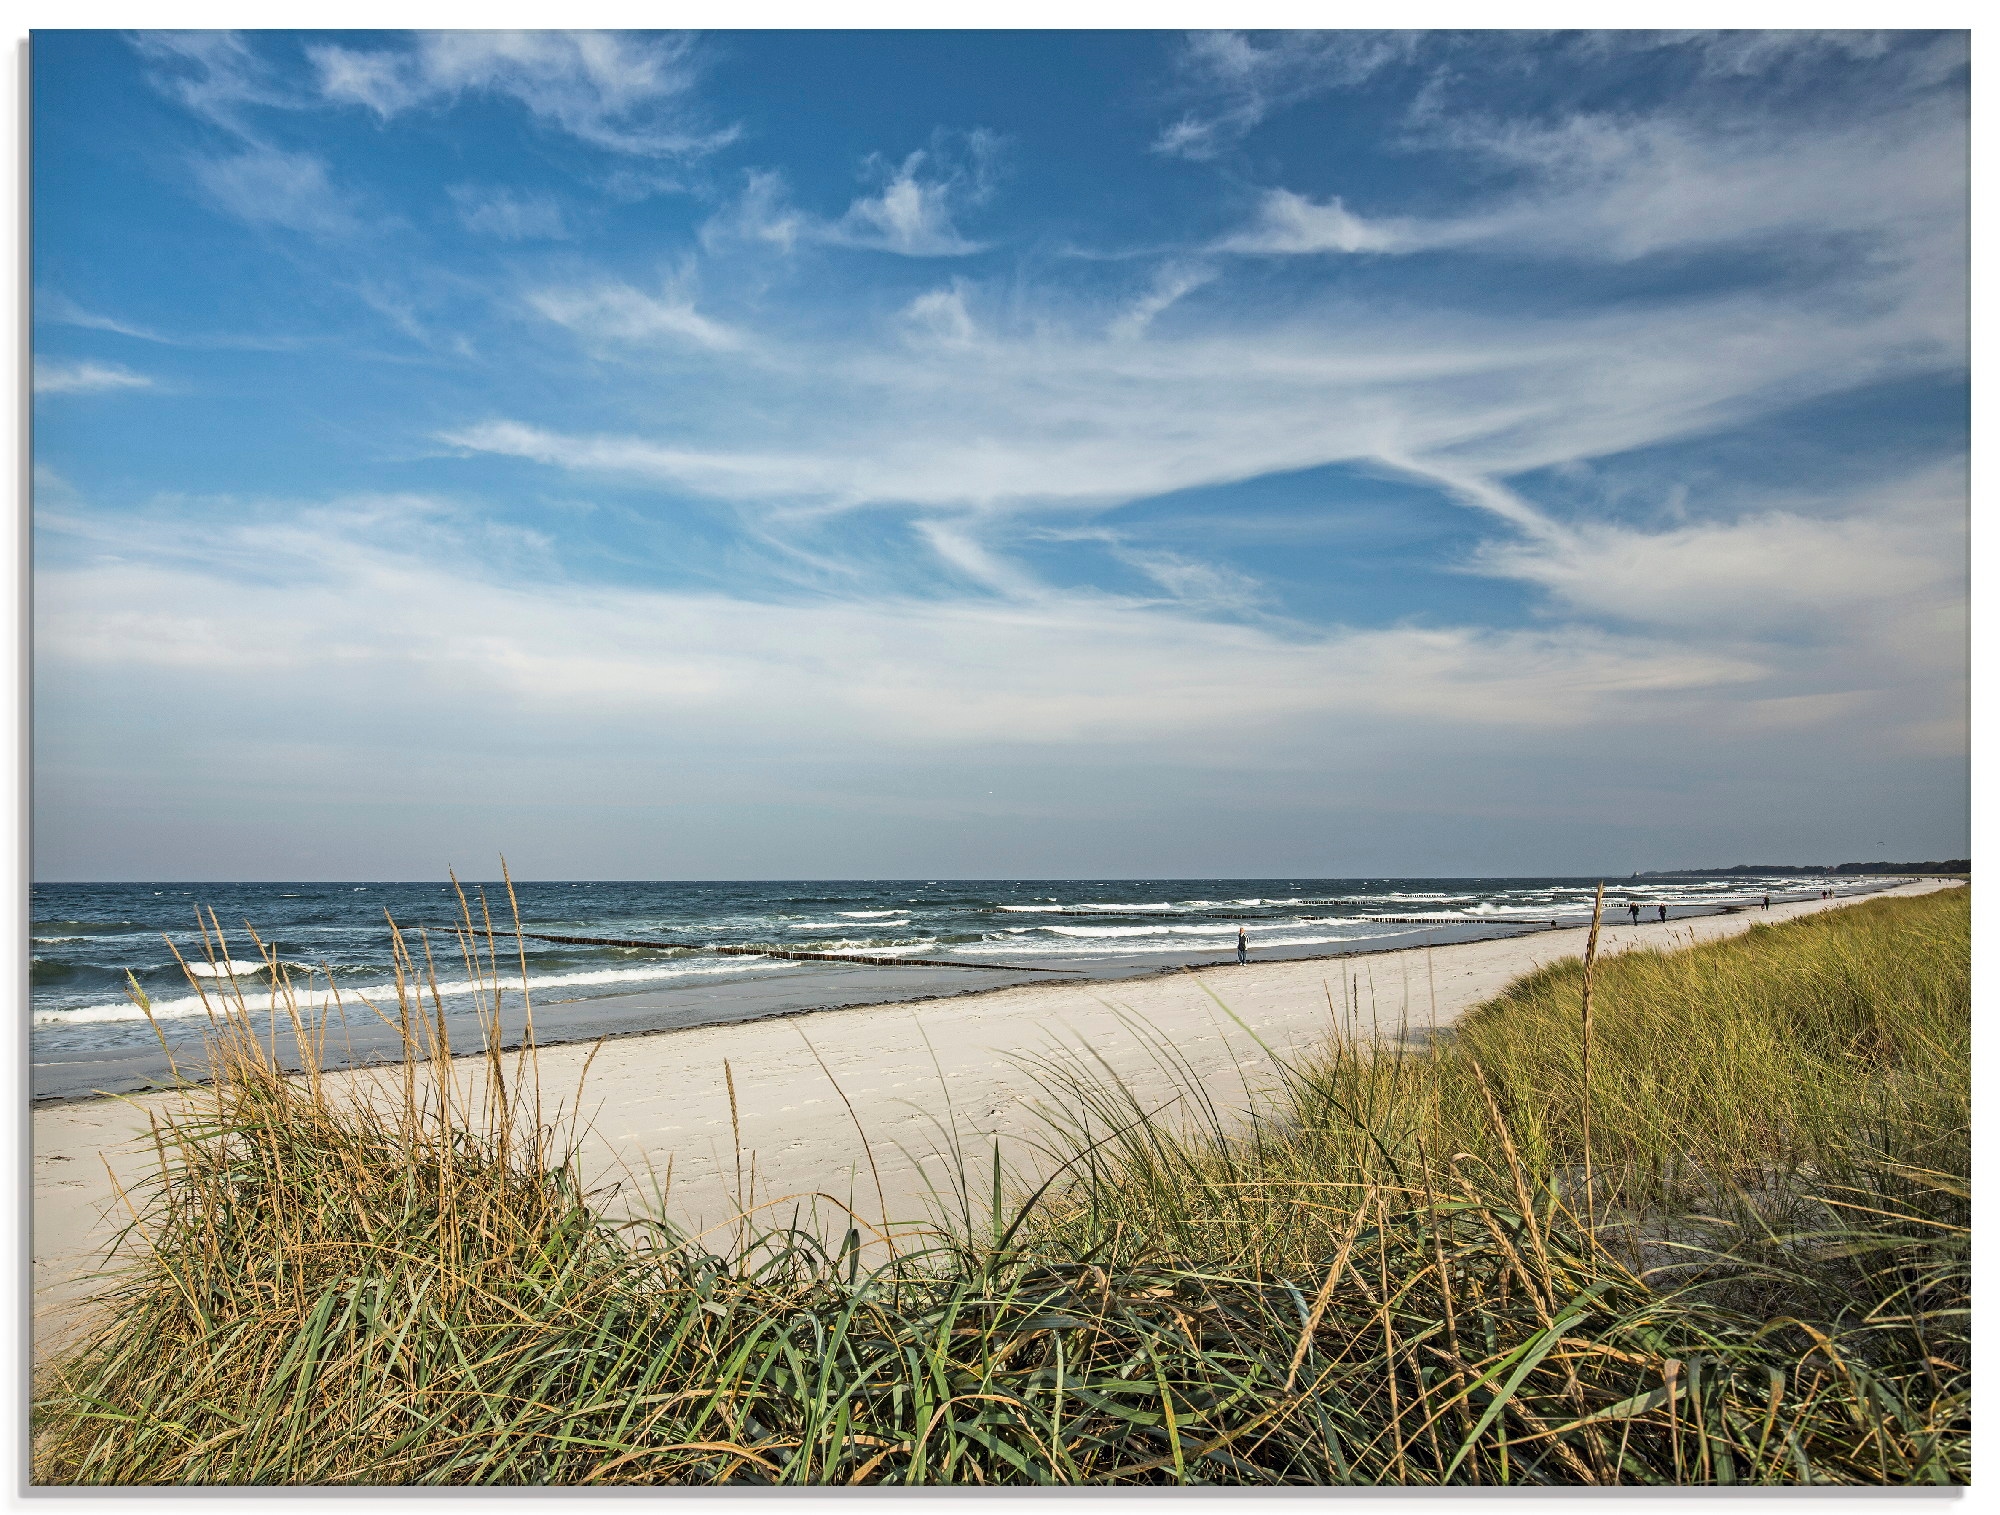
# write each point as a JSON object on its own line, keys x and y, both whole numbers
{"x": 223, "y": 80}
{"x": 217, "y": 75}
{"x": 1890, "y": 556}
{"x": 266, "y": 186}
{"x": 366, "y": 611}
{"x": 1599, "y": 187}
{"x": 53, "y": 305}
{"x": 56, "y": 308}
{"x": 82, "y": 377}
{"x": 1173, "y": 281}
{"x": 509, "y": 215}
{"x": 626, "y": 93}
{"x": 1231, "y": 82}
{"x": 1780, "y": 56}
{"x": 1237, "y": 80}
{"x": 1026, "y": 413}
{"x": 1217, "y": 513}
{"x": 1293, "y": 223}
{"x": 617, "y": 313}
{"x": 977, "y": 419}
{"x": 942, "y": 317}
{"x": 914, "y": 212}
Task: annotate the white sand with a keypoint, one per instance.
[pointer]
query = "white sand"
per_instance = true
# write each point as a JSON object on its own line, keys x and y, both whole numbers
{"x": 917, "y": 1075}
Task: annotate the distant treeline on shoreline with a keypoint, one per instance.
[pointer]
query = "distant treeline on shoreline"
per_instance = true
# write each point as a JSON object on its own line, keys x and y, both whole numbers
{"x": 1950, "y": 865}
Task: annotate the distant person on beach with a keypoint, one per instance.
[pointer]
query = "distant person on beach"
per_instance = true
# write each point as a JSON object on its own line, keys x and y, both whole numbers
{"x": 1634, "y": 908}
{"x": 1663, "y": 915}
{"x": 1242, "y": 945}
{"x": 1767, "y": 902}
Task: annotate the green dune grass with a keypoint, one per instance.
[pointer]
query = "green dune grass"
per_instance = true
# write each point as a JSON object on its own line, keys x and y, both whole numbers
{"x": 1406, "y": 1269}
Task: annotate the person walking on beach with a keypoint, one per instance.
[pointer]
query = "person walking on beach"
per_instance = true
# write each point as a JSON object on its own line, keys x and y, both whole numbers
{"x": 1767, "y": 902}
{"x": 1242, "y": 945}
{"x": 1663, "y": 915}
{"x": 1634, "y": 908}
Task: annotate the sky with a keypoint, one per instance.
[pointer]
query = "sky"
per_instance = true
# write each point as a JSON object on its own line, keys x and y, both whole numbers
{"x": 997, "y": 454}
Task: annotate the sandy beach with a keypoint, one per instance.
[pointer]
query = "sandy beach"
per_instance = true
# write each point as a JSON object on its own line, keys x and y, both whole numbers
{"x": 919, "y": 1078}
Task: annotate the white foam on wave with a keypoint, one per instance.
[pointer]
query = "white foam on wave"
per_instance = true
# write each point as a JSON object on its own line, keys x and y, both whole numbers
{"x": 869, "y": 915}
{"x": 1088, "y": 946}
{"x": 1116, "y": 931}
{"x": 837, "y": 925}
{"x": 1088, "y": 908}
{"x": 1270, "y": 933}
{"x": 235, "y": 967}
{"x": 317, "y": 1000}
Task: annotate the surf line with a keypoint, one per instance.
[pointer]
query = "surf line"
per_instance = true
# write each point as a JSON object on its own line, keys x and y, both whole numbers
{"x": 809, "y": 957}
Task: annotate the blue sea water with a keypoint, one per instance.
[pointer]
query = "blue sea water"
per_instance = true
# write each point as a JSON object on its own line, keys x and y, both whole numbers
{"x": 90, "y": 942}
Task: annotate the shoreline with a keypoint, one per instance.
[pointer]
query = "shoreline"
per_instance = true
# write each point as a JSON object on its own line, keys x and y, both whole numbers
{"x": 924, "y": 1079}
{"x": 1144, "y": 975}
{"x": 883, "y": 998}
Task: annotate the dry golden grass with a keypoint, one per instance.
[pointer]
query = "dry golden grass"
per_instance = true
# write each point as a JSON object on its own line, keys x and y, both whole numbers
{"x": 1388, "y": 1278}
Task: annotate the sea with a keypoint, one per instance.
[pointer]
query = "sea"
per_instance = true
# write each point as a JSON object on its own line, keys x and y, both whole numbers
{"x": 97, "y": 947}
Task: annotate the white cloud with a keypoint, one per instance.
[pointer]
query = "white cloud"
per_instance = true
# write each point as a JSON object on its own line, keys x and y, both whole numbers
{"x": 971, "y": 420}
{"x": 55, "y": 377}
{"x": 958, "y": 544}
{"x": 508, "y": 214}
{"x": 914, "y": 213}
{"x": 1766, "y": 615}
{"x": 1234, "y": 81}
{"x": 1912, "y": 59}
{"x": 942, "y": 316}
{"x": 1861, "y": 599}
{"x": 1833, "y": 569}
{"x": 269, "y": 187}
{"x": 729, "y": 475}
{"x": 762, "y": 213}
{"x": 411, "y": 604}
{"x": 1172, "y": 282}
{"x": 1628, "y": 189}
{"x": 1599, "y": 187}
{"x": 625, "y": 93}
{"x": 51, "y": 305}
{"x": 215, "y": 74}
{"x": 614, "y": 312}
{"x": 1291, "y": 223}
{"x": 1239, "y": 80}
{"x": 1007, "y": 399}
{"x": 1197, "y": 585}
{"x": 1030, "y": 415}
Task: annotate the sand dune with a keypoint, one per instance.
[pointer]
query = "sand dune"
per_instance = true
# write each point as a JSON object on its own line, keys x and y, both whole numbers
{"x": 919, "y": 1078}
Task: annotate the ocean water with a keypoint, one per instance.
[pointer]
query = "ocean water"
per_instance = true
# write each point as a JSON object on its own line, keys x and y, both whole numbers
{"x": 90, "y": 941}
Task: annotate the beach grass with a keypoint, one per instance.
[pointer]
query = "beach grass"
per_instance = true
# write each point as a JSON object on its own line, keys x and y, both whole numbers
{"x": 1403, "y": 1269}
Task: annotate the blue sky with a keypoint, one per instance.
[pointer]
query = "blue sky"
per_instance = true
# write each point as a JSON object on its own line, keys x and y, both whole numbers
{"x": 997, "y": 454}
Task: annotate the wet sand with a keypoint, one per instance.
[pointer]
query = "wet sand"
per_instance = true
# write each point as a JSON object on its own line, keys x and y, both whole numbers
{"x": 923, "y": 1080}
{"x": 788, "y": 989}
